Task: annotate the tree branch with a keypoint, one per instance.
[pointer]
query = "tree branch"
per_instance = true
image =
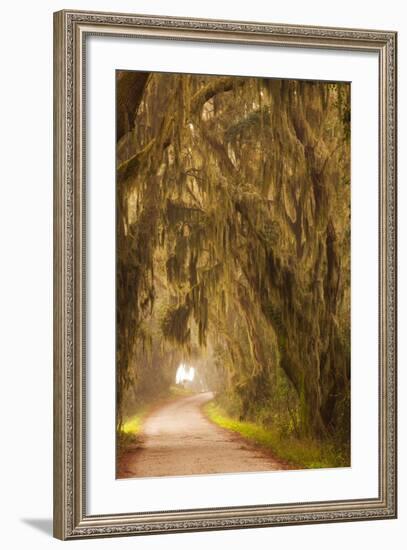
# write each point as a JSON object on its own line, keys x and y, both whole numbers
{"x": 222, "y": 84}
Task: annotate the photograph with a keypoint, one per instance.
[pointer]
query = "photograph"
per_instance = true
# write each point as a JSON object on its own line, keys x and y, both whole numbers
{"x": 225, "y": 344}
{"x": 233, "y": 285}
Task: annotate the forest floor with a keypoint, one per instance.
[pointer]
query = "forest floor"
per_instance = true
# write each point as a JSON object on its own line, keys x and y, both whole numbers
{"x": 177, "y": 438}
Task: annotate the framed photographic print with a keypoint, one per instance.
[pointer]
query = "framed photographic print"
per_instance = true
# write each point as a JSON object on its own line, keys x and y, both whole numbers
{"x": 225, "y": 274}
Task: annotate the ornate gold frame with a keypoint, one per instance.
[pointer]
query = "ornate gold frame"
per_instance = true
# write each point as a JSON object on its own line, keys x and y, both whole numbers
{"x": 70, "y": 518}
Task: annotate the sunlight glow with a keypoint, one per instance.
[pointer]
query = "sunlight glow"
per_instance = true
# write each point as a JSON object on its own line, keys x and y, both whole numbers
{"x": 184, "y": 374}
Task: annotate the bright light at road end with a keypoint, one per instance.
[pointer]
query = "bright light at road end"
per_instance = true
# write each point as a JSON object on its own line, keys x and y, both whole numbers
{"x": 184, "y": 374}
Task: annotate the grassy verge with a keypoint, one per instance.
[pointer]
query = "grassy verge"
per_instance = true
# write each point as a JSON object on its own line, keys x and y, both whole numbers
{"x": 301, "y": 453}
{"x": 129, "y": 437}
{"x": 179, "y": 391}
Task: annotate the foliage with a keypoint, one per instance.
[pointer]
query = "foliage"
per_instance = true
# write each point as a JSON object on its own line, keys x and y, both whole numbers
{"x": 297, "y": 452}
{"x": 233, "y": 244}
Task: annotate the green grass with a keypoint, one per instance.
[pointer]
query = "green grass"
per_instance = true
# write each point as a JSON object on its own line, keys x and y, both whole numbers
{"x": 301, "y": 453}
{"x": 132, "y": 426}
{"x": 129, "y": 435}
{"x": 179, "y": 391}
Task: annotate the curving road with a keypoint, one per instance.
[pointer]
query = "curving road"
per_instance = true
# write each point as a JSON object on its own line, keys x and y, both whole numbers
{"x": 178, "y": 439}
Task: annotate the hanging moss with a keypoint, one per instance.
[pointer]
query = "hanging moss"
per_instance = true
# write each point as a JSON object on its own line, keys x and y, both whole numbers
{"x": 175, "y": 324}
{"x": 233, "y": 208}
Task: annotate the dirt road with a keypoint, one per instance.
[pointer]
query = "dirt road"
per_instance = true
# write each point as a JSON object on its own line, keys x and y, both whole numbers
{"x": 178, "y": 439}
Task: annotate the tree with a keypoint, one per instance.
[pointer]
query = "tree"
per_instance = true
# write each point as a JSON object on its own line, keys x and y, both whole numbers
{"x": 234, "y": 199}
